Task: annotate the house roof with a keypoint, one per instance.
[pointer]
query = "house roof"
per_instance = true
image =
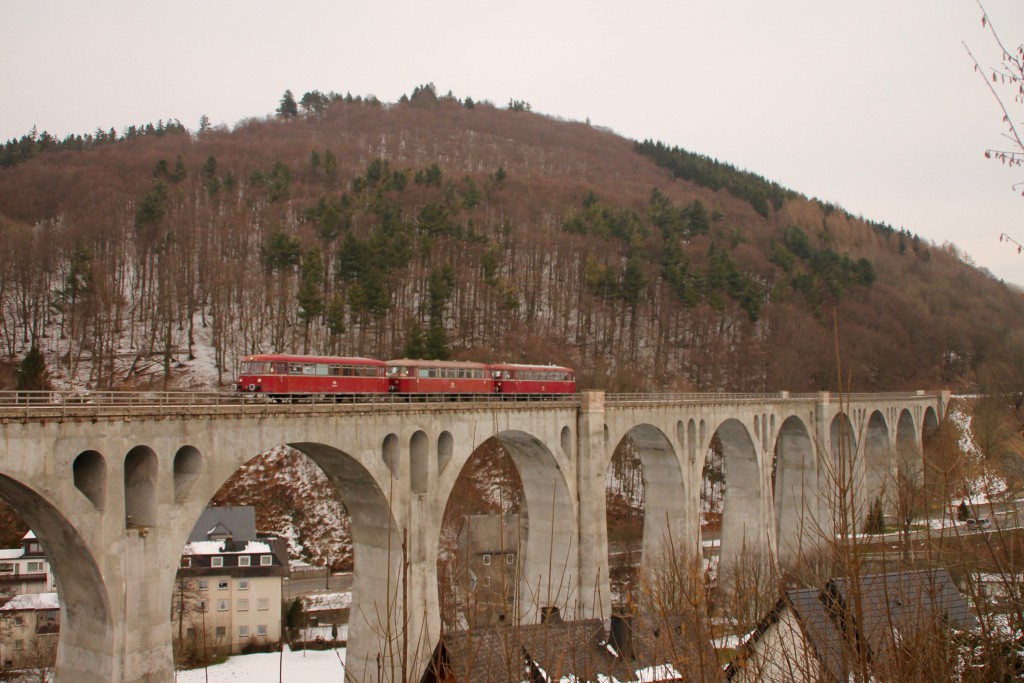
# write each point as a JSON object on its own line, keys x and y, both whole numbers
{"x": 31, "y": 601}
{"x": 237, "y": 521}
{"x": 11, "y": 553}
{"x": 891, "y": 606}
{"x": 575, "y": 651}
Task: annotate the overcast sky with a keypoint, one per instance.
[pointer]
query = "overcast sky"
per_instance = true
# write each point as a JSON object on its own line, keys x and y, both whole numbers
{"x": 872, "y": 105}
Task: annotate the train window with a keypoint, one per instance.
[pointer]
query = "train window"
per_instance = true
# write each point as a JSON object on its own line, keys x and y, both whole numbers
{"x": 423, "y": 372}
{"x": 279, "y": 368}
{"x": 294, "y": 368}
{"x": 321, "y": 369}
{"x": 309, "y": 369}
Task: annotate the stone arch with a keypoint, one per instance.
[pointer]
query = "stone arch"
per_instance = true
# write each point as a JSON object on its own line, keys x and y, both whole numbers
{"x": 87, "y": 629}
{"x": 548, "y": 558}
{"x": 838, "y": 468}
{"x": 550, "y": 572}
{"x": 795, "y": 490}
{"x": 691, "y": 440}
{"x": 390, "y": 453}
{"x": 141, "y": 471}
{"x": 665, "y": 509}
{"x": 445, "y": 447}
{"x": 377, "y": 555}
{"x": 89, "y": 472}
{"x": 743, "y": 524}
{"x": 879, "y": 470}
{"x": 418, "y": 461}
{"x": 188, "y": 465}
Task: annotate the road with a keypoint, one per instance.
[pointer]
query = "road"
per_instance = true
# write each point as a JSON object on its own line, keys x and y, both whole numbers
{"x": 295, "y": 587}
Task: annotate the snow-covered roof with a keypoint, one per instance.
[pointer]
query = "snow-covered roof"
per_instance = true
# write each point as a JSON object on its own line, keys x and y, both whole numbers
{"x": 217, "y": 548}
{"x": 32, "y": 601}
{"x": 326, "y": 601}
{"x": 11, "y": 553}
{"x": 29, "y": 536}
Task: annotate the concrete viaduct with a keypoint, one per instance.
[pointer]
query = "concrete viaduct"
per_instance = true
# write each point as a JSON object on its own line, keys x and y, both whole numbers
{"x": 113, "y": 484}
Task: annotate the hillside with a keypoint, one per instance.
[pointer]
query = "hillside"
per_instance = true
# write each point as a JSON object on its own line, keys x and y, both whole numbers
{"x": 435, "y": 227}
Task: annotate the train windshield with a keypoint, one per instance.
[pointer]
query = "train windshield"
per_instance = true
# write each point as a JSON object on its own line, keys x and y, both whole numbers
{"x": 256, "y": 367}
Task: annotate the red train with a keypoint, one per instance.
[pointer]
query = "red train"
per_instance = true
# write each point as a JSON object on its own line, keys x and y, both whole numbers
{"x": 279, "y": 375}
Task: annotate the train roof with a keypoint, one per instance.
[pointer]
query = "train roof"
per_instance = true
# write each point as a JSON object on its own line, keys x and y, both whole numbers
{"x": 290, "y": 358}
{"x": 437, "y": 363}
{"x": 527, "y": 366}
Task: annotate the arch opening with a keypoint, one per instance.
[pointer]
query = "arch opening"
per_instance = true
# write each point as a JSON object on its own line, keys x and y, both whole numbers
{"x": 140, "y": 493}
{"x": 89, "y": 472}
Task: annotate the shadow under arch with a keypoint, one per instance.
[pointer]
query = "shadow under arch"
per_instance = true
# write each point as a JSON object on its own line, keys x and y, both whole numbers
{"x": 795, "y": 489}
{"x": 743, "y": 525}
{"x": 86, "y": 644}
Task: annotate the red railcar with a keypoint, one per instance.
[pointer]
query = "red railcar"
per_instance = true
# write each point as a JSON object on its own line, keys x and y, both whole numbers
{"x": 407, "y": 376}
{"x": 286, "y": 375}
{"x": 511, "y": 378}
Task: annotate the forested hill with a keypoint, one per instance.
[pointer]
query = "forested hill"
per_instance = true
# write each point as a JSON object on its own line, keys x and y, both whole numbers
{"x": 435, "y": 227}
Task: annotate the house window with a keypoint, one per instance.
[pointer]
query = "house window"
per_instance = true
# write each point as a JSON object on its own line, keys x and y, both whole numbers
{"x": 19, "y": 620}
{"x": 510, "y": 559}
{"x": 35, "y": 566}
{"x": 263, "y": 603}
{"x": 244, "y": 561}
{"x": 243, "y": 631}
{"x": 222, "y": 631}
{"x": 487, "y": 581}
{"x": 261, "y": 630}
{"x": 204, "y": 584}
{"x": 243, "y": 584}
{"x": 19, "y": 645}
{"x": 204, "y": 606}
{"x": 487, "y": 560}
{"x": 243, "y": 605}
{"x": 186, "y": 562}
{"x": 190, "y": 632}
{"x": 222, "y": 585}
{"x": 222, "y": 605}
{"x": 6, "y": 568}
{"x": 266, "y": 560}
{"x": 217, "y": 561}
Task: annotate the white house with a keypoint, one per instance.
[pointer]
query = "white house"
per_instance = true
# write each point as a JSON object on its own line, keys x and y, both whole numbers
{"x": 26, "y": 569}
{"x": 29, "y": 629}
{"x": 228, "y": 594}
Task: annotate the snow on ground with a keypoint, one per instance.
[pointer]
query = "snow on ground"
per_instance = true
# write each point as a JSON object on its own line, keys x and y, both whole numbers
{"x": 294, "y": 667}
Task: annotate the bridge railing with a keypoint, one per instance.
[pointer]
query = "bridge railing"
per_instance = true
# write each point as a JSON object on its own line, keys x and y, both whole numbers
{"x": 42, "y": 405}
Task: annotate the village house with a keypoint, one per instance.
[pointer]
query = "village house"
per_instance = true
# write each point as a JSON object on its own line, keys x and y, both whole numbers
{"x": 833, "y": 633}
{"x": 26, "y": 569}
{"x": 228, "y": 592}
{"x": 29, "y": 629}
{"x": 650, "y": 649}
{"x": 488, "y": 562}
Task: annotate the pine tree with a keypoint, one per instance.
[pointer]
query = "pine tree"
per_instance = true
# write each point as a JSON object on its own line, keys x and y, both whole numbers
{"x": 287, "y": 108}
{"x": 32, "y": 374}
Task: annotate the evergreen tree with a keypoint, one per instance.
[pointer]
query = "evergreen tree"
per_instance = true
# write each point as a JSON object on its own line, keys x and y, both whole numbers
{"x": 287, "y": 108}
{"x": 875, "y": 522}
{"x": 962, "y": 513}
{"x": 32, "y": 374}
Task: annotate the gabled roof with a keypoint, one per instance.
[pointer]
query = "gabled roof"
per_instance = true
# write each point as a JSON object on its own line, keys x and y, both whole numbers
{"x": 891, "y": 606}
{"x": 565, "y": 651}
{"x": 238, "y": 522}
